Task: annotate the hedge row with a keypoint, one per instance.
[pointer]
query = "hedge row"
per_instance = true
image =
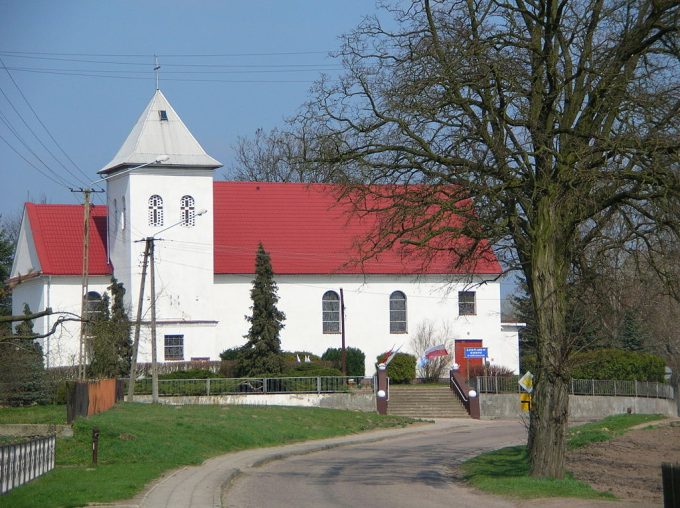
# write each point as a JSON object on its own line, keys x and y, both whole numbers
{"x": 612, "y": 364}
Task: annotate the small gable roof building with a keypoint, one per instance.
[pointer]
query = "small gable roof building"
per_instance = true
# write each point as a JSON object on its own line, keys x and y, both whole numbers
{"x": 160, "y": 184}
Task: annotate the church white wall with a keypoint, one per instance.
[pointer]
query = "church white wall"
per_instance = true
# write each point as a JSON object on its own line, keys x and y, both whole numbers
{"x": 62, "y": 294}
{"x": 25, "y": 258}
{"x": 183, "y": 255}
{"x": 367, "y": 313}
{"x": 221, "y": 323}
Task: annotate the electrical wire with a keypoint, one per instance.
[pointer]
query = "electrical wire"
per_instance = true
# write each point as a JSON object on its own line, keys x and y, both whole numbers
{"x": 37, "y": 117}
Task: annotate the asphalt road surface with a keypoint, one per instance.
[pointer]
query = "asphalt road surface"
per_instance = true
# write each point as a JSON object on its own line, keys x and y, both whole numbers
{"x": 413, "y": 470}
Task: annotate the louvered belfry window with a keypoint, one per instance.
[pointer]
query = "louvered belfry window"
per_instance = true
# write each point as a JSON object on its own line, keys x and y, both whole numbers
{"x": 155, "y": 210}
{"x": 187, "y": 211}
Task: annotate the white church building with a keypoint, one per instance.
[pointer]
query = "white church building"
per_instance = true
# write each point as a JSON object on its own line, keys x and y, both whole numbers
{"x": 161, "y": 184}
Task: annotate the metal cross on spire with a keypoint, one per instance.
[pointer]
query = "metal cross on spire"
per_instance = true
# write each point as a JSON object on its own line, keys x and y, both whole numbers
{"x": 156, "y": 69}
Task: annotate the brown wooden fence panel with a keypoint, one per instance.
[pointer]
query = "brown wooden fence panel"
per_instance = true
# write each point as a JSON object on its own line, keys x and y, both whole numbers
{"x": 86, "y": 398}
{"x": 101, "y": 395}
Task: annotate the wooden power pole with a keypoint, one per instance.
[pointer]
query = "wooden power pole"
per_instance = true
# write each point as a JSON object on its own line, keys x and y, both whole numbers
{"x": 342, "y": 324}
{"x": 138, "y": 323}
{"x": 148, "y": 261}
{"x": 83, "y": 346}
{"x": 154, "y": 359}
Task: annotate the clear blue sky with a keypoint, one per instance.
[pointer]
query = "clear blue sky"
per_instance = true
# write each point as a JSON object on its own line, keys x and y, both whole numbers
{"x": 86, "y": 68}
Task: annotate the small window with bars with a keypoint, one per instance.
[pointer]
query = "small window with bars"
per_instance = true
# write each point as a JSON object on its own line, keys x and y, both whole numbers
{"x": 155, "y": 210}
{"x": 466, "y": 303}
{"x": 174, "y": 348}
{"x": 187, "y": 211}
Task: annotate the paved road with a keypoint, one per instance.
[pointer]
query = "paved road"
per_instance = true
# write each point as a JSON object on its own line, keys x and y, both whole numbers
{"x": 396, "y": 468}
{"x": 407, "y": 470}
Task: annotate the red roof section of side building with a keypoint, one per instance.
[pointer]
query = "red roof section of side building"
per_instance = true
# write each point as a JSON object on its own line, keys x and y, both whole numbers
{"x": 307, "y": 230}
{"x": 58, "y": 237}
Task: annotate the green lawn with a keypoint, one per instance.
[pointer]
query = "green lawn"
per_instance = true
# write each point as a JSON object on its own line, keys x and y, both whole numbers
{"x": 140, "y": 441}
{"x": 33, "y": 414}
{"x": 505, "y": 471}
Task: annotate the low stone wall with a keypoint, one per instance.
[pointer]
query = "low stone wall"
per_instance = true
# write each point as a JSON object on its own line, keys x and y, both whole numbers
{"x": 350, "y": 401}
{"x": 35, "y": 429}
{"x": 581, "y": 407}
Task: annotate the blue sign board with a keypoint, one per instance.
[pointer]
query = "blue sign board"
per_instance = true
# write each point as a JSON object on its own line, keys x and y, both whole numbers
{"x": 476, "y": 352}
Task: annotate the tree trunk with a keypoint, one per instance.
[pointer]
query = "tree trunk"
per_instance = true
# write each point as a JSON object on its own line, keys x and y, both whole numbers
{"x": 550, "y": 407}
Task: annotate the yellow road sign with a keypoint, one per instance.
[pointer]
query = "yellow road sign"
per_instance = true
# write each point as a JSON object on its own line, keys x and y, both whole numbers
{"x": 527, "y": 382}
{"x": 525, "y": 401}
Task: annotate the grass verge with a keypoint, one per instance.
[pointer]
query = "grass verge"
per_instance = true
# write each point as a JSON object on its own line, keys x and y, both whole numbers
{"x": 138, "y": 442}
{"x": 506, "y": 471}
{"x": 34, "y": 414}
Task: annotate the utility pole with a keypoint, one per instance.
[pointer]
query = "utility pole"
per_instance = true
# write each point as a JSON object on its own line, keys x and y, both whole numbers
{"x": 148, "y": 254}
{"x": 342, "y": 324}
{"x": 148, "y": 261}
{"x": 83, "y": 349}
{"x": 154, "y": 360}
{"x": 138, "y": 323}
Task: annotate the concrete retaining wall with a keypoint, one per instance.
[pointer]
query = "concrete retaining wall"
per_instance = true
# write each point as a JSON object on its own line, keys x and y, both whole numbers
{"x": 581, "y": 407}
{"x": 350, "y": 401}
{"x": 35, "y": 429}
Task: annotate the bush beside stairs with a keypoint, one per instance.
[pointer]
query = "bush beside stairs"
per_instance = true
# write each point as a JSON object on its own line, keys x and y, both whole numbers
{"x": 425, "y": 402}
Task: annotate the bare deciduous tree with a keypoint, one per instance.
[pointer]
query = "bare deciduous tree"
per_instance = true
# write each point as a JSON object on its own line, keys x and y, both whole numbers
{"x": 428, "y": 335}
{"x": 548, "y": 127}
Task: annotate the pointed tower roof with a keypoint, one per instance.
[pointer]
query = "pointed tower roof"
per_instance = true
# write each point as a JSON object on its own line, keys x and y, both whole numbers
{"x": 159, "y": 132}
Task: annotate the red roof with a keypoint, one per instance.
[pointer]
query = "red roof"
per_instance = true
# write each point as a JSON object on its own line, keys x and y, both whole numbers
{"x": 58, "y": 237}
{"x": 306, "y": 230}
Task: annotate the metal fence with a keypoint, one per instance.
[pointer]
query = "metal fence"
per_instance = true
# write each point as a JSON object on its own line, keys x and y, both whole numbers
{"x": 612, "y": 388}
{"x": 230, "y": 386}
{"x": 20, "y": 463}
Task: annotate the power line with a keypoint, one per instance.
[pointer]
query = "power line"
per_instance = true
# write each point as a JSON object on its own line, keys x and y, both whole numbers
{"x": 46, "y": 175}
{"x": 293, "y": 69}
{"x": 236, "y": 81}
{"x": 141, "y": 64}
{"x": 175, "y": 55}
{"x": 11, "y": 128}
{"x": 35, "y": 114}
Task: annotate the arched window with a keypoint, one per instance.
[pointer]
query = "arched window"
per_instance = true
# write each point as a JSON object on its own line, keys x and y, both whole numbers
{"x": 92, "y": 309}
{"x": 331, "y": 312}
{"x": 155, "y": 210}
{"x": 115, "y": 215}
{"x": 187, "y": 212}
{"x": 397, "y": 312}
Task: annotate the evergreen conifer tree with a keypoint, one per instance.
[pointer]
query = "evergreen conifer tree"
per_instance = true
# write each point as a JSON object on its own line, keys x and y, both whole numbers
{"x": 111, "y": 345}
{"x": 262, "y": 352}
{"x": 633, "y": 334}
{"x": 22, "y": 373}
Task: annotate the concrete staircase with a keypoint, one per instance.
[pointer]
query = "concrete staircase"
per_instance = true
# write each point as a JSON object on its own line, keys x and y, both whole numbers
{"x": 426, "y": 401}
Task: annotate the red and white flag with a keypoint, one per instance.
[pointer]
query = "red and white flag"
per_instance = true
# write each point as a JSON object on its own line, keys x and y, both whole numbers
{"x": 435, "y": 351}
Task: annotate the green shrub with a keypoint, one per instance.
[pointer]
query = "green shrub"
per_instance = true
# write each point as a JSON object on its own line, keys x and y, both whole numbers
{"x": 355, "y": 360}
{"x": 309, "y": 370}
{"x": 618, "y": 364}
{"x": 227, "y": 368}
{"x": 230, "y": 354}
{"x": 402, "y": 368}
{"x": 614, "y": 364}
{"x": 490, "y": 370}
{"x": 189, "y": 374}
